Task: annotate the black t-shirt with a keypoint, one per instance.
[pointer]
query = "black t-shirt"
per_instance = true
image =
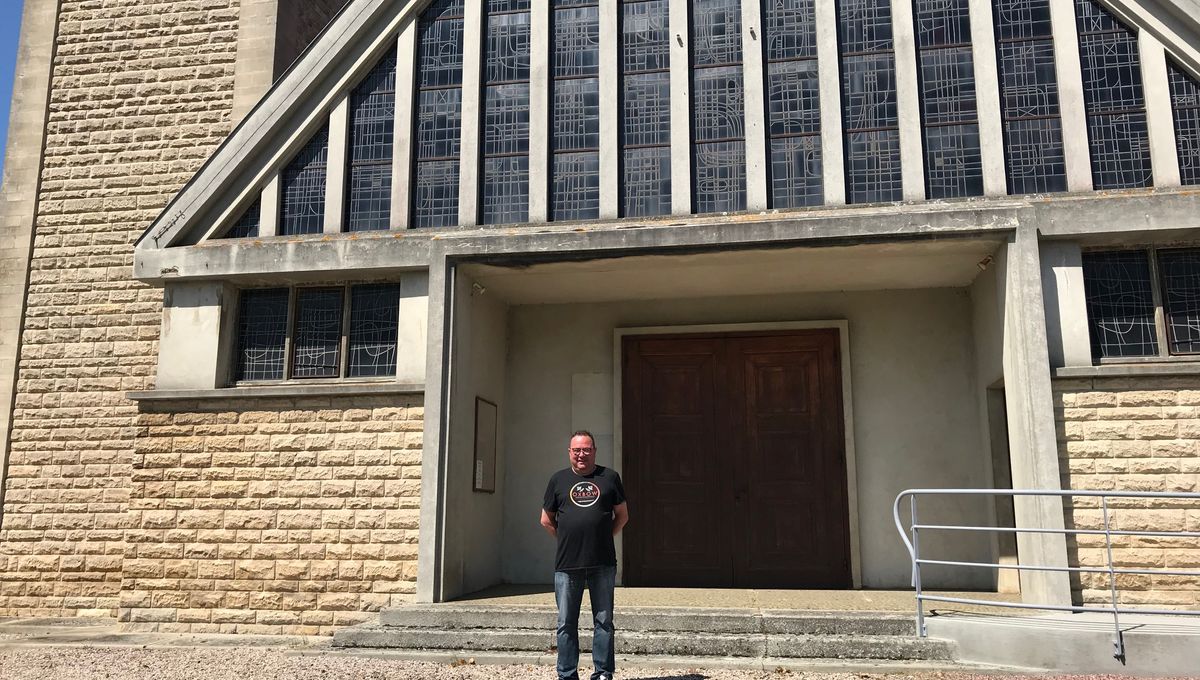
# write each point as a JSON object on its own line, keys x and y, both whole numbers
{"x": 583, "y": 505}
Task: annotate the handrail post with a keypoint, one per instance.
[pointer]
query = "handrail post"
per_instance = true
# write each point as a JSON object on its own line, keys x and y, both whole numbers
{"x": 912, "y": 500}
{"x": 1118, "y": 639}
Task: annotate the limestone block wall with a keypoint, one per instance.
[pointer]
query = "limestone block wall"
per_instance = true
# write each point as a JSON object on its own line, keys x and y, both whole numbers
{"x": 140, "y": 94}
{"x": 280, "y": 516}
{"x": 1136, "y": 434}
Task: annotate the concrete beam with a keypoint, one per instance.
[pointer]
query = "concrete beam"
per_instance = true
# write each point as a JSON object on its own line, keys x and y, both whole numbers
{"x": 755, "y": 107}
{"x": 1070, "y": 95}
{"x": 681, "y": 109}
{"x": 987, "y": 98}
{"x": 610, "y": 110}
{"x": 268, "y": 216}
{"x": 474, "y": 32}
{"x": 431, "y": 536}
{"x": 402, "y": 143}
{"x": 541, "y": 42}
{"x": 1164, "y": 157}
{"x": 1066, "y": 304}
{"x": 908, "y": 102}
{"x": 336, "y": 175}
{"x": 829, "y": 73}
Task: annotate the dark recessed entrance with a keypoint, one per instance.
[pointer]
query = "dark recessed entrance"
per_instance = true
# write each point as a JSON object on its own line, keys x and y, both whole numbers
{"x": 734, "y": 461}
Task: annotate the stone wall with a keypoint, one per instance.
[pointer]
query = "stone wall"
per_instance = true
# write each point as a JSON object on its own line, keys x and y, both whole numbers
{"x": 280, "y": 516}
{"x": 140, "y": 94}
{"x": 1134, "y": 434}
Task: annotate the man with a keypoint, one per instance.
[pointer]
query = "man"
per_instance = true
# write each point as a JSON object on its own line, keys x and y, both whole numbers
{"x": 584, "y": 509}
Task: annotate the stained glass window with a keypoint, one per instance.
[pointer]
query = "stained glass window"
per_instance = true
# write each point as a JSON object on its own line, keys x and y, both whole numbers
{"x": 374, "y": 318}
{"x": 870, "y": 120}
{"x": 793, "y": 103}
{"x": 506, "y": 113}
{"x": 953, "y": 164}
{"x": 1033, "y": 147}
{"x": 247, "y": 225}
{"x": 718, "y": 107}
{"x": 1185, "y": 106}
{"x": 372, "y": 129}
{"x": 646, "y": 105}
{"x": 1180, "y": 271}
{"x": 1112, "y": 96}
{"x": 438, "y": 115}
{"x": 262, "y": 334}
{"x": 1120, "y": 304}
{"x": 575, "y": 171}
{"x": 317, "y": 333}
{"x": 302, "y": 200}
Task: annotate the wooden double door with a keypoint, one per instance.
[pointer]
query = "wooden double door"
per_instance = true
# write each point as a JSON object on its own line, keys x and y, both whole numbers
{"x": 734, "y": 461}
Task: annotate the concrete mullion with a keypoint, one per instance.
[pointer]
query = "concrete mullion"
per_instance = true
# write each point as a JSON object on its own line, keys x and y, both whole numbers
{"x": 541, "y": 43}
{"x": 268, "y": 217}
{"x": 754, "y": 76}
{"x": 681, "y": 110}
{"x": 1070, "y": 95}
{"x": 474, "y": 32}
{"x": 406, "y": 93}
{"x": 833, "y": 166}
{"x": 610, "y": 110}
{"x": 1164, "y": 158}
{"x": 336, "y": 170}
{"x": 908, "y": 101}
{"x": 987, "y": 98}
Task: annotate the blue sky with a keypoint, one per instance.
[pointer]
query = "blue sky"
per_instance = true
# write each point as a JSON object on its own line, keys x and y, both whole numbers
{"x": 10, "y": 28}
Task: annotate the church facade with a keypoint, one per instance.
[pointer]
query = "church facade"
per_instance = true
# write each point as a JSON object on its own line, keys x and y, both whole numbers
{"x": 302, "y": 303}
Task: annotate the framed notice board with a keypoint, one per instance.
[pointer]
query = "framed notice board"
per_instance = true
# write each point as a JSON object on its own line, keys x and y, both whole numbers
{"x": 485, "y": 446}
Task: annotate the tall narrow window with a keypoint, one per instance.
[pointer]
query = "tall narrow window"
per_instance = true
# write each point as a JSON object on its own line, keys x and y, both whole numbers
{"x": 1112, "y": 96}
{"x": 372, "y": 130}
{"x": 646, "y": 104}
{"x": 576, "y": 130}
{"x": 302, "y": 200}
{"x": 1185, "y": 106}
{"x": 953, "y": 165}
{"x": 870, "y": 118}
{"x": 1033, "y": 146}
{"x": 506, "y": 113}
{"x": 438, "y": 115}
{"x": 718, "y": 107}
{"x": 794, "y": 103}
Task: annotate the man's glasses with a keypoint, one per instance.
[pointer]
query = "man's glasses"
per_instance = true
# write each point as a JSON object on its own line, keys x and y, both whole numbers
{"x": 578, "y": 451}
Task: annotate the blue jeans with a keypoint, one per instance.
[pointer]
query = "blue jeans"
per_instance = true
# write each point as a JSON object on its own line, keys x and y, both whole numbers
{"x": 568, "y": 593}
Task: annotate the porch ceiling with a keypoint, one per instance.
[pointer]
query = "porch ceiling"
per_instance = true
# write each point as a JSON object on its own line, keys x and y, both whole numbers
{"x": 949, "y": 263}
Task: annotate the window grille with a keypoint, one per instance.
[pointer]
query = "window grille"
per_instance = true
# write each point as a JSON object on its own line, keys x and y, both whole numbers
{"x": 793, "y": 103}
{"x": 1033, "y": 146}
{"x": 247, "y": 225}
{"x": 1185, "y": 107}
{"x": 439, "y": 115}
{"x": 953, "y": 161}
{"x": 506, "y": 113}
{"x": 1113, "y": 99}
{"x": 575, "y": 173}
{"x": 871, "y": 123}
{"x": 1180, "y": 271}
{"x": 718, "y": 107}
{"x": 262, "y": 334}
{"x": 302, "y": 200}
{"x": 374, "y": 319}
{"x": 372, "y": 132}
{"x": 646, "y": 105}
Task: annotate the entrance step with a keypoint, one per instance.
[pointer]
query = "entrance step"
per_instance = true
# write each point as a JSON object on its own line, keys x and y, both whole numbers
{"x": 659, "y": 632}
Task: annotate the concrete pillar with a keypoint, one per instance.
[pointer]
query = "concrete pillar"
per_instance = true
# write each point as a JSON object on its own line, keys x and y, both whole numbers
{"x": 755, "y": 108}
{"x": 541, "y": 43}
{"x": 1070, "y": 95}
{"x": 681, "y": 110}
{"x": 987, "y": 98}
{"x": 268, "y": 218}
{"x": 908, "y": 101}
{"x": 402, "y": 143}
{"x": 829, "y": 72}
{"x": 412, "y": 333}
{"x": 1164, "y": 158}
{"x": 197, "y": 340}
{"x": 474, "y": 32}
{"x": 610, "y": 110}
{"x": 1066, "y": 305}
{"x": 335, "y": 169}
{"x": 431, "y": 537}
{"x": 1031, "y": 429}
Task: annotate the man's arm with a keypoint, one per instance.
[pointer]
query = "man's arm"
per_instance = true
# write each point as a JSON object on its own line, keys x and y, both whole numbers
{"x": 620, "y": 517}
{"x": 549, "y": 523}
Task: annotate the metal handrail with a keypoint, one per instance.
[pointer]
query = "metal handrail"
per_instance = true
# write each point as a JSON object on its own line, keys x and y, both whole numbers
{"x": 911, "y": 538}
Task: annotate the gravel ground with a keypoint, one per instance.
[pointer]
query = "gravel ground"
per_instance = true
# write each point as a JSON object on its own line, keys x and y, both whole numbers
{"x": 80, "y": 663}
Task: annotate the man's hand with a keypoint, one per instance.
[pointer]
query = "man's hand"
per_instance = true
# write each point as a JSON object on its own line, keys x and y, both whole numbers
{"x": 549, "y": 524}
{"x": 620, "y": 518}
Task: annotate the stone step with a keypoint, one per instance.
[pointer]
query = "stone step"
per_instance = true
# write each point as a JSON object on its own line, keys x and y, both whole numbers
{"x": 677, "y": 619}
{"x": 755, "y": 645}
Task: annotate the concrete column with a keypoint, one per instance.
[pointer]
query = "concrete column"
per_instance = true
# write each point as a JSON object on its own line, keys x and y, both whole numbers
{"x": 474, "y": 33}
{"x": 610, "y": 110}
{"x": 987, "y": 98}
{"x": 335, "y": 168}
{"x": 196, "y": 343}
{"x": 908, "y": 101}
{"x": 830, "y": 74}
{"x": 1070, "y": 95}
{"x": 1031, "y": 428}
{"x": 681, "y": 110}
{"x": 412, "y": 336}
{"x": 754, "y": 74}
{"x": 1164, "y": 158}
{"x": 406, "y": 92}
{"x": 431, "y": 536}
{"x": 1067, "y": 335}
{"x": 255, "y": 67}
{"x": 541, "y": 43}
{"x": 268, "y": 218}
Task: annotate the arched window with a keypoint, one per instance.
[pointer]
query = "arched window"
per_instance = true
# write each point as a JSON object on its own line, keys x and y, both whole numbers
{"x": 438, "y": 115}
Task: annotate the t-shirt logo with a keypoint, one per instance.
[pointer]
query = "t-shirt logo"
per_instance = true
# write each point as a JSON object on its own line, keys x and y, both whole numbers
{"x": 585, "y": 494}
